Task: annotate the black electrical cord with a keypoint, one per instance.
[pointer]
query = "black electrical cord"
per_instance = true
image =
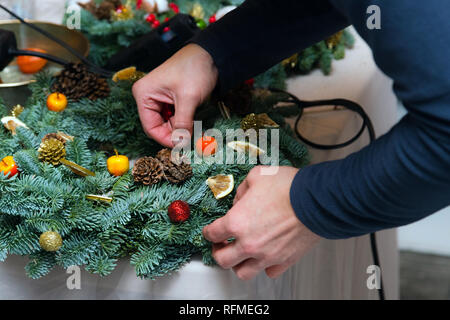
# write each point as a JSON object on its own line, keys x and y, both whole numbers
{"x": 18, "y": 52}
{"x": 93, "y": 67}
{"x": 367, "y": 123}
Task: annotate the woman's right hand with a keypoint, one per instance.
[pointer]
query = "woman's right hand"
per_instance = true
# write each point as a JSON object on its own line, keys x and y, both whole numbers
{"x": 184, "y": 81}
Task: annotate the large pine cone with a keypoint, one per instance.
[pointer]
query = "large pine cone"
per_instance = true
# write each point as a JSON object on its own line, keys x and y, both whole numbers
{"x": 51, "y": 151}
{"x": 175, "y": 172}
{"x": 76, "y": 82}
{"x": 148, "y": 171}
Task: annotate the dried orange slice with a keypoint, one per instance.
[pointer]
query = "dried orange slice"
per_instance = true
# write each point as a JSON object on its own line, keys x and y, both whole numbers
{"x": 244, "y": 146}
{"x": 99, "y": 198}
{"x": 124, "y": 74}
{"x": 77, "y": 169}
{"x": 11, "y": 123}
{"x": 221, "y": 185}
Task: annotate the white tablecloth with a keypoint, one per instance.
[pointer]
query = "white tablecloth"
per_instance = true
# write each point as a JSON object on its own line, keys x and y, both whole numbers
{"x": 332, "y": 270}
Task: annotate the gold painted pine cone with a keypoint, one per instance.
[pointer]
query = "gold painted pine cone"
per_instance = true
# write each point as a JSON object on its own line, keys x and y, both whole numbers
{"x": 51, "y": 151}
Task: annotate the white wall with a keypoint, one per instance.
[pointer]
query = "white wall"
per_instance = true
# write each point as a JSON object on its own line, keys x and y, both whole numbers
{"x": 430, "y": 235}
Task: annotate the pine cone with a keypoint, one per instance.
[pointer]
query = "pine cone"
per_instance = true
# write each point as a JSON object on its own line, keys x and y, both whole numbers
{"x": 174, "y": 172}
{"x": 51, "y": 151}
{"x": 76, "y": 82}
{"x": 148, "y": 170}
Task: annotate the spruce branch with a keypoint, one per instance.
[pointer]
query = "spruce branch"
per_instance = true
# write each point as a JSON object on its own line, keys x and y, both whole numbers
{"x": 40, "y": 264}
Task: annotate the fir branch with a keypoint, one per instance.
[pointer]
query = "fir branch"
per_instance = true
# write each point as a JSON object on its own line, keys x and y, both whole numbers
{"x": 77, "y": 249}
{"x": 101, "y": 264}
{"x": 27, "y": 138}
{"x": 41, "y": 263}
{"x": 23, "y": 241}
{"x": 28, "y": 162}
{"x": 147, "y": 259}
{"x": 78, "y": 152}
{"x": 174, "y": 259}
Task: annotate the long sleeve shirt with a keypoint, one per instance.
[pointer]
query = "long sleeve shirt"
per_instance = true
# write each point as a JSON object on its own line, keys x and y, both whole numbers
{"x": 404, "y": 175}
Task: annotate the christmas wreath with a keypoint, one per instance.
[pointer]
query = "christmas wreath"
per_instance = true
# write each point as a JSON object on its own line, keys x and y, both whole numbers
{"x": 69, "y": 194}
{"x": 67, "y": 198}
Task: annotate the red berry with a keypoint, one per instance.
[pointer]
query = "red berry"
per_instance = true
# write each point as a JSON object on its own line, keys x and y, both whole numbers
{"x": 250, "y": 82}
{"x": 138, "y": 4}
{"x": 166, "y": 19}
{"x": 179, "y": 211}
{"x": 212, "y": 19}
{"x": 167, "y": 111}
{"x": 151, "y": 18}
{"x": 156, "y": 24}
{"x": 166, "y": 29}
{"x": 174, "y": 7}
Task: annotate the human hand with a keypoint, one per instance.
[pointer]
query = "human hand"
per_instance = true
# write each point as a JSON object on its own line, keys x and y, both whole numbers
{"x": 268, "y": 234}
{"x": 185, "y": 81}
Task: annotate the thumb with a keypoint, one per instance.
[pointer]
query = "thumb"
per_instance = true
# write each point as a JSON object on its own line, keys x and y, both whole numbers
{"x": 184, "y": 115}
{"x": 183, "y": 121}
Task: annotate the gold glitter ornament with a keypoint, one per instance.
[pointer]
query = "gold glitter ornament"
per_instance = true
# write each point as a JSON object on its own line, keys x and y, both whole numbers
{"x": 197, "y": 11}
{"x": 51, "y": 151}
{"x": 50, "y": 241}
{"x": 334, "y": 40}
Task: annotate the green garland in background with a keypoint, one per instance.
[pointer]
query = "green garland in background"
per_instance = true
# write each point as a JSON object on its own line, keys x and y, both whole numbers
{"x": 108, "y": 36}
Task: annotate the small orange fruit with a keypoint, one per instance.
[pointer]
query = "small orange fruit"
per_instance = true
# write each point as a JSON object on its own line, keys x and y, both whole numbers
{"x": 8, "y": 166}
{"x": 118, "y": 165}
{"x": 206, "y": 146}
{"x": 56, "y": 102}
{"x": 29, "y": 64}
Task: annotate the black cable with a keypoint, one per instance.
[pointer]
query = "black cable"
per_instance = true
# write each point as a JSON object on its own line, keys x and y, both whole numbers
{"x": 367, "y": 123}
{"x": 92, "y": 66}
{"x": 17, "y": 52}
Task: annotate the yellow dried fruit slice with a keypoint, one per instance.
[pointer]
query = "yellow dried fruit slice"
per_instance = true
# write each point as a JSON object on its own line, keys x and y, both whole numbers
{"x": 99, "y": 198}
{"x": 244, "y": 146}
{"x": 11, "y": 123}
{"x": 221, "y": 185}
{"x": 265, "y": 121}
{"x": 77, "y": 169}
{"x": 124, "y": 74}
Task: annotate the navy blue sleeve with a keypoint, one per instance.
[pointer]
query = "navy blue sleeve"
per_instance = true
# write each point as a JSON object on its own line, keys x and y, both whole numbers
{"x": 405, "y": 175}
{"x": 261, "y": 33}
